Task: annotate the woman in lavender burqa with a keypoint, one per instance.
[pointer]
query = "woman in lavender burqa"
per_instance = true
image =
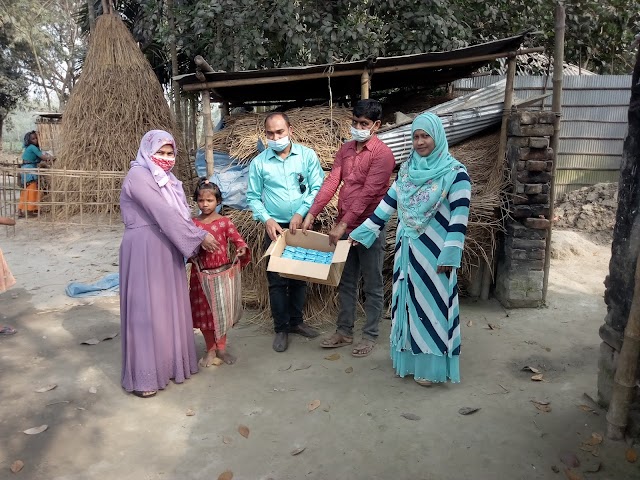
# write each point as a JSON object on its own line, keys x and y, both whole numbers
{"x": 157, "y": 332}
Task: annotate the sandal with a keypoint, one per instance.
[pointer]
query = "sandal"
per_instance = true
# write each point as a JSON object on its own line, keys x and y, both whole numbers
{"x": 7, "y": 330}
{"x": 336, "y": 340}
{"x": 149, "y": 394}
{"x": 424, "y": 383}
{"x": 364, "y": 348}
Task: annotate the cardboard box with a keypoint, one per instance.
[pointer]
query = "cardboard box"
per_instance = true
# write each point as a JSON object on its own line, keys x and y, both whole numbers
{"x": 308, "y": 271}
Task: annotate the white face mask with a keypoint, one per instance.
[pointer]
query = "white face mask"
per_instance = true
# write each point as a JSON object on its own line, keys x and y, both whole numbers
{"x": 278, "y": 145}
{"x": 360, "y": 135}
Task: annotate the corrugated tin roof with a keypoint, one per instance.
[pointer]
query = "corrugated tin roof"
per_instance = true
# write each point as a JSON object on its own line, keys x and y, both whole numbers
{"x": 590, "y": 146}
{"x": 583, "y": 129}
{"x": 586, "y": 177}
{"x": 575, "y": 161}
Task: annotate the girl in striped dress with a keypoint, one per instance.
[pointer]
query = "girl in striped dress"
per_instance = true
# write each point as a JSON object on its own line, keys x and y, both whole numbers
{"x": 431, "y": 195}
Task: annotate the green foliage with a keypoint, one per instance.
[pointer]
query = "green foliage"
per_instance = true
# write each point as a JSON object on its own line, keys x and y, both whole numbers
{"x": 13, "y": 86}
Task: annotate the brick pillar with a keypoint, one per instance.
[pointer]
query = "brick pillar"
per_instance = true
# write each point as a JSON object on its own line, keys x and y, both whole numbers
{"x": 520, "y": 269}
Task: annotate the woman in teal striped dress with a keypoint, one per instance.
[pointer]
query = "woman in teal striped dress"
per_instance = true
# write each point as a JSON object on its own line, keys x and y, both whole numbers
{"x": 431, "y": 195}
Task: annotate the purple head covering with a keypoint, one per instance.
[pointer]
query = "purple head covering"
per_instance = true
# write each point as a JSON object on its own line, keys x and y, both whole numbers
{"x": 169, "y": 185}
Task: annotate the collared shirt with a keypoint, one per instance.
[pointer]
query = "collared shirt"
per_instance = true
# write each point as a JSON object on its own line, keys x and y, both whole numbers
{"x": 366, "y": 179}
{"x": 275, "y": 183}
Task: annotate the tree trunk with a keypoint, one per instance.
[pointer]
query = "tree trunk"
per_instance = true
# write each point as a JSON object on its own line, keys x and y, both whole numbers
{"x": 92, "y": 15}
{"x": 174, "y": 64}
{"x": 1, "y": 130}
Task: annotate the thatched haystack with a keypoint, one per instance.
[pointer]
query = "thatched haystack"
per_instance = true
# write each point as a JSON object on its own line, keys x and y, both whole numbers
{"x": 323, "y": 129}
{"x": 485, "y": 221}
{"x": 116, "y": 101}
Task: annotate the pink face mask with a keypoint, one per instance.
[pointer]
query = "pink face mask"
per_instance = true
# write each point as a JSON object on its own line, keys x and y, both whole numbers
{"x": 165, "y": 163}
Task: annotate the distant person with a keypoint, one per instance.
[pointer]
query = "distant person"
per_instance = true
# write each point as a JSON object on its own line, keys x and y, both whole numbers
{"x": 432, "y": 197}
{"x": 32, "y": 158}
{"x": 155, "y": 314}
{"x": 208, "y": 197}
{"x": 362, "y": 169}
{"x": 283, "y": 181}
{"x": 6, "y": 279}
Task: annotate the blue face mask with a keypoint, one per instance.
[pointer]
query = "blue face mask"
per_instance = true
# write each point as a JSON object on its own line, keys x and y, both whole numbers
{"x": 278, "y": 145}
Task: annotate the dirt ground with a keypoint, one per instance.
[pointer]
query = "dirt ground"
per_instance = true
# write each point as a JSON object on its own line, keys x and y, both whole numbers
{"x": 358, "y": 432}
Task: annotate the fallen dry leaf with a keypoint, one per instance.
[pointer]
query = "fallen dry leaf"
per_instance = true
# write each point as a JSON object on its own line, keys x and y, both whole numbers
{"x": 46, "y": 388}
{"x": 493, "y": 326}
{"x": 17, "y": 466}
{"x": 91, "y": 341}
{"x": 36, "y": 430}
{"x": 537, "y": 377}
{"x": 298, "y": 451}
{"x": 470, "y": 323}
{"x": 227, "y": 440}
{"x": 111, "y": 336}
{"x": 591, "y": 465}
{"x": 333, "y": 356}
{"x": 303, "y": 367}
{"x": 244, "y": 431}
{"x": 56, "y": 403}
{"x": 541, "y": 402}
{"x": 596, "y": 439}
{"x": 283, "y": 369}
{"x": 555, "y": 469}
{"x": 313, "y": 405}
{"x": 468, "y": 410}
{"x": 572, "y": 474}
{"x": 348, "y": 370}
{"x": 190, "y": 413}
{"x": 542, "y": 406}
{"x": 410, "y": 416}
{"x": 93, "y": 390}
{"x": 631, "y": 455}
{"x": 570, "y": 460}
{"x": 587, "y": 408}
{"x": 228, "y": 475}
{"x": 326, "y": 409}
{"x": 528, "y": 368}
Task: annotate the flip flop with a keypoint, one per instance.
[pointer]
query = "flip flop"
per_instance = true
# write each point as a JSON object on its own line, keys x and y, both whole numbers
{"x": 7, "y": 330}
{"x": 145, "y": 394}
{"x": 336, "y": 340}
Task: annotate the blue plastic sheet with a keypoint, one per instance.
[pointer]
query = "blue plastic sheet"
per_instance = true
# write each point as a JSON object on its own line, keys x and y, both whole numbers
{"x": 107, "y": 286}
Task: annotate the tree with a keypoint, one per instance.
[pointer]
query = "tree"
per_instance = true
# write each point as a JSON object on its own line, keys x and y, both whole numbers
{"x": 56, "y": 45}
{"x": 13, "y": 86}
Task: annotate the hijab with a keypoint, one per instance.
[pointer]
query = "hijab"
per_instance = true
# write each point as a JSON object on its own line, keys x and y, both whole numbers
{"x": 170, "y": 187}
{"x": 423, "y": 182}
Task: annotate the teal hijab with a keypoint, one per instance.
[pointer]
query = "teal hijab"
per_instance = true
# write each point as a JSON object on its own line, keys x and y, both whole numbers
{"x": 424, "y": 182}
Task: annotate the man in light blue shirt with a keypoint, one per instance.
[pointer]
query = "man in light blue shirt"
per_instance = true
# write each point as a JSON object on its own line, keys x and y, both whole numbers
{"x": 283, "y": 182}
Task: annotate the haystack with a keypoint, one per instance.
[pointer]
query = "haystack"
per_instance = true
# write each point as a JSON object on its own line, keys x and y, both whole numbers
{"x": 323, "y": 129}
{"x": 116, "y": 101}
{"x": 479, "y": 154}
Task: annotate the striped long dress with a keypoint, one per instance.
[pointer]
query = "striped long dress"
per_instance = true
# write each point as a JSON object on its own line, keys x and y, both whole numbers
{"x": 425, "y": 333}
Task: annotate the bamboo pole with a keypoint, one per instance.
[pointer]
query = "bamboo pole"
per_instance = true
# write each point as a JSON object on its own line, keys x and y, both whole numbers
{"x": 365, "y": 83}
{"x": 556, "y": 107}
{"x": 349, "y": 73}
{"x": 624, "y": 381}
{"x": 208, "y": 131}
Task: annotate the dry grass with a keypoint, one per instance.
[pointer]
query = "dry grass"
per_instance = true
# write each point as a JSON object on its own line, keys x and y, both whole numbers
{"x": 321, "y": 128}
{"x": 116, "y": 101}
{"x": 485, "y": 221}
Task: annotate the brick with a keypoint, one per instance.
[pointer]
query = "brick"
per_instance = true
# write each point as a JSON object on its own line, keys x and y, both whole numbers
{"x": 532, "y": 177}
{"x": 611, "y": 337}
{"x": 539, "y": 211}
{"x": 546, "y": 117}
{"x": 516, "y": 254}
{"x": 527, "y": 118}
{"x": 535, "y": 165}
{"x": 521, "y": 211}
{"x": 517, "y": 230}
{"x": 549, "y": 165}
{"x": 543, "y": 154}
{"x": 528, "y": 265}
{"x": 520, "y": 200}
{"x": 536, "y": 254}
{"x": 538, "y": 130}
{"x": 541, "y": 198}
{"x": 524, "y": 244}
{"x": 538, "y": 142}
{"x": 537, "y": 223}
{"x": 545, "y": 188}
{"x": 533, "y": 188}
{"x": 520, "y": 188}
{"x": 521, "y": 165}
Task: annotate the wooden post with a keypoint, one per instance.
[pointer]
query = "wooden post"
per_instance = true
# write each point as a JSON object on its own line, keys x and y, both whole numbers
{"x": 208, "y": 131}
{"x": 194, "y": 125}
{"x": 556, "y": 107}
{"x": 365, "y": 83}
{"x": 624, "y": 381}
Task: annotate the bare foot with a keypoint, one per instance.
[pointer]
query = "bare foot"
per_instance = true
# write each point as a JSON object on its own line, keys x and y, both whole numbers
{"x": 226, "y": 357}
{"x": 208, "y": 359}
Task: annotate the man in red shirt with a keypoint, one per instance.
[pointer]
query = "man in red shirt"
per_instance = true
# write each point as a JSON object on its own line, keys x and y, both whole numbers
{"x": 363, "y": 166}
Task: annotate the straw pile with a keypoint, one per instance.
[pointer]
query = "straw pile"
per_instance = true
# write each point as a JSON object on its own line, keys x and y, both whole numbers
{"x": 321, "y": 128}
{"x": 485, "y": 221}
{"x": 116, "y": 101}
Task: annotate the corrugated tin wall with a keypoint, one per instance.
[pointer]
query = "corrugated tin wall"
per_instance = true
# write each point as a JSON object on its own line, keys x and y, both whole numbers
{"x": 594, "y": 123}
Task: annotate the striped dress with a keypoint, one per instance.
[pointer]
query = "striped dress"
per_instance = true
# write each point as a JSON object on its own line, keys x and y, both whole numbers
{"x": 425, "y": 333}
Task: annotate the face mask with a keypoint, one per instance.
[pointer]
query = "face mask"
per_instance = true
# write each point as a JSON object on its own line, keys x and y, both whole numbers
{"x": 165, "y": 163}
{"x": 360, "y": 135}
{"x": 278, "y": 145}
